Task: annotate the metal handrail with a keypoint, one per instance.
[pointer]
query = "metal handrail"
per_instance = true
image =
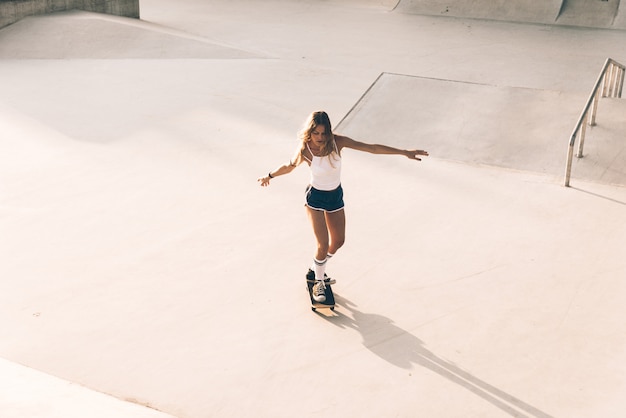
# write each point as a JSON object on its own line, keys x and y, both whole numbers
{"x": 609, "y": 84}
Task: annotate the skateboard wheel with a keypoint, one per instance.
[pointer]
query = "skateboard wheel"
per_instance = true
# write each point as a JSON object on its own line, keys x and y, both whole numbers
{"x": 314, "y": 310}
{"x": 332, "y": 308}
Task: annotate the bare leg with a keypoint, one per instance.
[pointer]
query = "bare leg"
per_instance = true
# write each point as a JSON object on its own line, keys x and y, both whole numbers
{"x": 329, "y": 230}
{"x": 320, "y": 229}
{"x": 336, "y": 225}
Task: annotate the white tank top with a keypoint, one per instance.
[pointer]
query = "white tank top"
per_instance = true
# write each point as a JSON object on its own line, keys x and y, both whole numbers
{"x": 325, "y": 171}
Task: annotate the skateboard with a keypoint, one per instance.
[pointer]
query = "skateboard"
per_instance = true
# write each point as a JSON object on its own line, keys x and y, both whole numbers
{"x": 329, "y": 303}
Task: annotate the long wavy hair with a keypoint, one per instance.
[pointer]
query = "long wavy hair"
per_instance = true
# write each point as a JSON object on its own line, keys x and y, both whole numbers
{"x": 314, "y": 120}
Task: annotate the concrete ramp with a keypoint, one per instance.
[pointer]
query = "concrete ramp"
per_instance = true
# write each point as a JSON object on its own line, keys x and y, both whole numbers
{"x": 30, "y": 393}
{"x": 87, "y": 35}
{"x": 545, "y": 11}
{"x": 516, "y": 128}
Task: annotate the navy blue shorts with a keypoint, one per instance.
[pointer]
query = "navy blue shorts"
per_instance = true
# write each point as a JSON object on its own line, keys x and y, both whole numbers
{"x": 328, "y": 201}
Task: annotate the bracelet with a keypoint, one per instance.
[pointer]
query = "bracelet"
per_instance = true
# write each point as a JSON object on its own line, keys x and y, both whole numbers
{"x": 270, "y": 175}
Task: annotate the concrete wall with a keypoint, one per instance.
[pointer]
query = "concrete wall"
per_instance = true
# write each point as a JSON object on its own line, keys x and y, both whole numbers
{"x": 13, "y": 10}
{"x": 620, "y": 17}
{"x": 509, "y": 10}
{"x": 587, "y": 13}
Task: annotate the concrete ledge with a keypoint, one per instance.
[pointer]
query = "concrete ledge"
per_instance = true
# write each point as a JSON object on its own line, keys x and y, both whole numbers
{"x": 12, "y": 11}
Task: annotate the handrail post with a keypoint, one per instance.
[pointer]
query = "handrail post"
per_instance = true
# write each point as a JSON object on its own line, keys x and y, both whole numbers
{"x": 604, "y": 87}
{"x": 570, "y": 157}
{"x": 614, "y": 79}
{"x": 581, "y": 134}
{"x": 594, "y": 109}
{"x": 611, "y": 80}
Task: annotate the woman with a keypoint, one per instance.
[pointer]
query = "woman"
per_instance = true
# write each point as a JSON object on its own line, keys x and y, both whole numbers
{"x": 321, "y": 150}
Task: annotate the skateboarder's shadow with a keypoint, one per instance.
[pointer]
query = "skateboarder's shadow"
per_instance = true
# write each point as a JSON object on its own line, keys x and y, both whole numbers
{"x": 403, "y": 349}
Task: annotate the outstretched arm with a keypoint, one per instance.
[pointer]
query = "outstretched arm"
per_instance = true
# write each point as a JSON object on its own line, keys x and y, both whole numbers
{"x": 345, "y": 142}
{"x": 283, "y": 169}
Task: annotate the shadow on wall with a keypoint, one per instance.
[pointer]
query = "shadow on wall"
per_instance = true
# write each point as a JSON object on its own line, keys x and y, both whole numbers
{"x": 13, "y": 10}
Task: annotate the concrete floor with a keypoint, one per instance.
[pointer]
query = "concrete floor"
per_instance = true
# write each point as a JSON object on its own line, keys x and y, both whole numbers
{"x": 145, "y": 273}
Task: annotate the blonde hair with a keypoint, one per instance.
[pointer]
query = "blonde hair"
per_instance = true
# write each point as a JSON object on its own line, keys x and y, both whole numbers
{"x": 315, "y": 119}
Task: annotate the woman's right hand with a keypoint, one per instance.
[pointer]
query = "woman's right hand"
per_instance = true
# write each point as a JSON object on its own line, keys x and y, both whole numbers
{"x": 265, "y": 181}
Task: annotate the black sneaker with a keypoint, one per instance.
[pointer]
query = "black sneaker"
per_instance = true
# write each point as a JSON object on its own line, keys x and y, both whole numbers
{"x": 310, "y": 277}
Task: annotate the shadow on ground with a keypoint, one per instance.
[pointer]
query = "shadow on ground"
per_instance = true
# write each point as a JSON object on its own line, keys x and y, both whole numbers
{"x": 403, "y": 349}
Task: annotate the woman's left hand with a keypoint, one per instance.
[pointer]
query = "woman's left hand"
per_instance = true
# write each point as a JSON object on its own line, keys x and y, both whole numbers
{"x": 414, "y": 154}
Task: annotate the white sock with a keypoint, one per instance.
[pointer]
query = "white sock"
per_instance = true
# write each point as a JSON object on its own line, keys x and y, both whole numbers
{"x": 319, "y": 267}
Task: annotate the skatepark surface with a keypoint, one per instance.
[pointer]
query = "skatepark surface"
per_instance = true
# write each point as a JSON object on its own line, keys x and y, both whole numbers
{"x": 146, "y": 274}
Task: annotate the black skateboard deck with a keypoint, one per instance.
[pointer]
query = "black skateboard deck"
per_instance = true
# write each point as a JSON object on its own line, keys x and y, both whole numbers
{"x": 329, "y": 303}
